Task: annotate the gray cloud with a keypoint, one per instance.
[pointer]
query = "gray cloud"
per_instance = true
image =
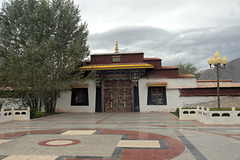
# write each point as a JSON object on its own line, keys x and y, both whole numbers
{"x": 186, "y": 46}
{"x": 168, "y": 14}
{"x": 168, "y": 32}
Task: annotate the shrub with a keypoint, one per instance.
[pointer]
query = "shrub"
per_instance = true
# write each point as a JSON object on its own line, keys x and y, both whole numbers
{"x": 34, "y": 113}
{"x": 189, "y": 107}
{"x": 176, "y": 113}
{"x": 39, "y": 114}
{"x": 221, "y": 109}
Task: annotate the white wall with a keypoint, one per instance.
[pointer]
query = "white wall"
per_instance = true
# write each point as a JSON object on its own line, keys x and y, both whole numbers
{"x": 173, "y": 96}
{"x": 197, "y": 99}
{"x": 64, "y": 101}
{"x": 8, "y": 103}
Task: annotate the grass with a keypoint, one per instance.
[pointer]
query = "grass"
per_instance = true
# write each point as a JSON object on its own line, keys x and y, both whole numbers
{"x": 189, "y": 108}
{"x": 176, "y": 113}
{"x": 237, "y": 109}
{"x": 37, "y": 114}
{"x": 221, "y": 109}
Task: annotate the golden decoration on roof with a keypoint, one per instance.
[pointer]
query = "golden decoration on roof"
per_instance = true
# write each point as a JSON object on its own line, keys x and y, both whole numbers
{"x": 116, "y": 67}
{"x": 157, "y": 84}
{"x": 116, "y": 49}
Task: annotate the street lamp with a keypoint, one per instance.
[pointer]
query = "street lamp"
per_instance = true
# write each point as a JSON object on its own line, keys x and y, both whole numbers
{"x": 217, "y": 61}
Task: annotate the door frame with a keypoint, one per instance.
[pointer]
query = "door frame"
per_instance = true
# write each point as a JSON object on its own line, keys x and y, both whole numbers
{"x": 118, "y": 78}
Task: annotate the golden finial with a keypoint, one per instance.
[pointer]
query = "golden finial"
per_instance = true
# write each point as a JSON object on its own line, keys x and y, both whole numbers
{"x": 116, "y": 49}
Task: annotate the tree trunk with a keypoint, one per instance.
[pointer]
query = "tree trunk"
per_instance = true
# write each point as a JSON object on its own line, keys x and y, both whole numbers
{"x": 50, "y": 100}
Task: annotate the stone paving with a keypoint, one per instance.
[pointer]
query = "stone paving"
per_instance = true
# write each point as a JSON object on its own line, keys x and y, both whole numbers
{"x": 115, "y": 136}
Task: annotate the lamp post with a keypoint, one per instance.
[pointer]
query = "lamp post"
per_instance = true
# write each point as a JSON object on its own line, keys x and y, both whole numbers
{"x": 217, "y": 61}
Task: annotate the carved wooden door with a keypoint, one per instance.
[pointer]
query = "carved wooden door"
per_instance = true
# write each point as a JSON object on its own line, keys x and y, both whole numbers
{"x": 117, "y": 95}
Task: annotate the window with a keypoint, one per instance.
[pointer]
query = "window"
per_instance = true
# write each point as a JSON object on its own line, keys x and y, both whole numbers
{"x": 157, "y": 96}
{"x": 116, "y": 58}
{"x": 79, "y": 96}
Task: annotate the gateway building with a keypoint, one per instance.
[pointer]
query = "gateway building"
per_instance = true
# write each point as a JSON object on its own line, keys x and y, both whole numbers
{"x": 128, "y": 82}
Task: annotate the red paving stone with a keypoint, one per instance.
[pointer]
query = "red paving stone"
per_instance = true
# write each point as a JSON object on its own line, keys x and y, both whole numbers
{"x": 16, "y": 134}
{"x": 174, "y": 149}
{"x": 105, "y": 119}
{"x": 175, "y": 146}
{"x": 44, "y": 143}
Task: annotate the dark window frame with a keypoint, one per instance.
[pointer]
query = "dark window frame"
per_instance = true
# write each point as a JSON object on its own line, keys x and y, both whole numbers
{"x": 150, "y": 101}
{"x": 81, "y": 91}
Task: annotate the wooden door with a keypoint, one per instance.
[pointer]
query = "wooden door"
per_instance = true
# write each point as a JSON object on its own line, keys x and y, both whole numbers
{"x": 118, "y": 95}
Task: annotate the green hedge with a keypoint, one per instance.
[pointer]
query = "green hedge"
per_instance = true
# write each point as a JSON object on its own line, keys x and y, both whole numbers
{"x": 189, "y": 107}
{"x": 221, "y": 109}
{"x": 34, "y": 113}
{"x": 176, "y": 113}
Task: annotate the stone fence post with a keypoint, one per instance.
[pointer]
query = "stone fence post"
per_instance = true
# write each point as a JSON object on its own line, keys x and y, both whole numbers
{"x": 234, "y": 115}
{"x": 2, "y": 114}
{"x": 28, "y": 113}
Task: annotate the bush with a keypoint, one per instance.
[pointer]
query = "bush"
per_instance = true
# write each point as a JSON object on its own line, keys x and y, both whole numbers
{"x": 189, "y": 107}
{"x": 176, "y": 113}
{"x": 221, "y": 109}
{"x": 34, "y": 113}
{"x": 39, "y": 114}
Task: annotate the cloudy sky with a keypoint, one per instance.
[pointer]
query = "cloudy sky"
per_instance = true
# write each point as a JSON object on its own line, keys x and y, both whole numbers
{"x": 174, "y": 30}
{"x": 187, "y": 31}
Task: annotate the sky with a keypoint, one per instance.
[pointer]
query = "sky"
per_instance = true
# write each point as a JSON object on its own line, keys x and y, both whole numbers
{"x": 186, "y": 31}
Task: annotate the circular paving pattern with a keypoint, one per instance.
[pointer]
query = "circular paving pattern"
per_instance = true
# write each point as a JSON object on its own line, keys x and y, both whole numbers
{"x": 133, "y": 144}
{"x": 59, "y": 142}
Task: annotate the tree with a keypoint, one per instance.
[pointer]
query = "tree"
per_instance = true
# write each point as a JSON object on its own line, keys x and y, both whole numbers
{"x": 42, "y": 44}
{"x": 188, "y": 68}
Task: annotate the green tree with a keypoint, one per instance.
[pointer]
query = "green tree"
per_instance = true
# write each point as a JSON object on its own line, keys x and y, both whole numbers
{"x": 42, "y": 44}
{"x": 188, "y": 68}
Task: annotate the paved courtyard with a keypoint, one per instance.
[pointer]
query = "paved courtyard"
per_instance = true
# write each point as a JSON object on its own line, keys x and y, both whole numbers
{"x": 115, "y": 136}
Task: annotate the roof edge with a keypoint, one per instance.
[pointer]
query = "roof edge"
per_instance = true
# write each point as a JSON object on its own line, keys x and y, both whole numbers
{"x": 119, "y": 53}
{"x": 116, "y": 67}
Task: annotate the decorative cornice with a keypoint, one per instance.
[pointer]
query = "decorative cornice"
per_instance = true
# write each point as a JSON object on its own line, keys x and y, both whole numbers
{"x": 115, "y": 67}
{"x": 157, "y": 84}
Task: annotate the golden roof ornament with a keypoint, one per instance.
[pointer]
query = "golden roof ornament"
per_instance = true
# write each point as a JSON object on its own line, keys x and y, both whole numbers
{"x": 116, "y": 49}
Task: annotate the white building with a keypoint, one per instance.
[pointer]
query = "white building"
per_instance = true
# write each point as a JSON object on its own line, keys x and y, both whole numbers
{"x": 128, "y": 82}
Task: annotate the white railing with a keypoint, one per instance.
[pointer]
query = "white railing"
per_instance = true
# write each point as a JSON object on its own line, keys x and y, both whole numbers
{"x": 14, "y": 114}
{"x": 206, "y": 116}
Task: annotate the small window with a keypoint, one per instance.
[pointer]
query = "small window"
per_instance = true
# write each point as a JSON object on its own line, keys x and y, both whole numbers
{"x": 225, "y": 115}
{"x": 79, "y": 96}
{"x": 215, "y": 115}
{"x": 157, "y": 96}
{"x": 116, "y": 58}
{"x": 192, "y": 112}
